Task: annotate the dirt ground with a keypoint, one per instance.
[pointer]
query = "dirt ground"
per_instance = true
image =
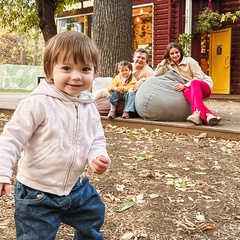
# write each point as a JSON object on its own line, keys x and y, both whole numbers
{"x": 162, "y": 186}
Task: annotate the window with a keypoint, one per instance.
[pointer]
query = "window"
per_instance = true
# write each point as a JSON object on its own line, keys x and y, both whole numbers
{"x": 80, "y": 23}
{"x": 142, "y": 29}
{"x": 142, "y": 26}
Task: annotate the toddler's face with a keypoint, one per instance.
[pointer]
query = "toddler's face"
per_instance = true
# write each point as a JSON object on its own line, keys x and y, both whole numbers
{"x": 124, "y": 71}
{"x": 72, "y": 78}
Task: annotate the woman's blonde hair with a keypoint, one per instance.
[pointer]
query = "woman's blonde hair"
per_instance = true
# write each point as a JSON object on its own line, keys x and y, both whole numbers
{"x": 70, "y": 44}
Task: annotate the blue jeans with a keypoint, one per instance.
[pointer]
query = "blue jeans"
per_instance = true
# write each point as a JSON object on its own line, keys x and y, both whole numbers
{"x": 38, "y": 214}
{"x": 128, "y": 97}
{"x": 115, "y": 97}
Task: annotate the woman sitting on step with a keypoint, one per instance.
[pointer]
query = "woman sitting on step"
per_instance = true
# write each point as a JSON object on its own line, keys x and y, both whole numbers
{"x": 197, "y": 87}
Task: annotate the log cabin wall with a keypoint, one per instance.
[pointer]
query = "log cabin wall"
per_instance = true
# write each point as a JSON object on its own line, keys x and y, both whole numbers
{"x": 161, "y": 29}
{"x": 168, "y": 22}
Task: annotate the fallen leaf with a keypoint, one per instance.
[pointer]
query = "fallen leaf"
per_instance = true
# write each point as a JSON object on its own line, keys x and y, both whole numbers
{"x": 125, "y": 206}
{"x": 140, "y": 158}
{"x": 153, "y": 195}
{"x": 127, "y": 236}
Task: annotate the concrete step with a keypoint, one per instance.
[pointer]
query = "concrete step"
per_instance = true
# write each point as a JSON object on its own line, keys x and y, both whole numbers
{"x": 224, "y": 129}
{"x": 226, "y": 106}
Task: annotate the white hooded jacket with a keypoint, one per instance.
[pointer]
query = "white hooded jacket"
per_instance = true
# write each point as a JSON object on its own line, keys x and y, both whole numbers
{"x": 57, "y": 133}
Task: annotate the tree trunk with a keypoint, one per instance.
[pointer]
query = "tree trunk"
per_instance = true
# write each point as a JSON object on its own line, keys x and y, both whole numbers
{"x": 46, "y": 11}
{"x": 112, "y": 33}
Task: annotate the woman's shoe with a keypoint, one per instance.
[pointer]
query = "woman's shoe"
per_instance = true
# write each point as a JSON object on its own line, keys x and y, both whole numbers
{"x": 195, "y": 118}
{"x": 213, "y": 120}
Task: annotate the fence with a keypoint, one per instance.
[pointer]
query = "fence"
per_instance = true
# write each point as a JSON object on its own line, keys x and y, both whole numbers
{"x": 19, "y": 77}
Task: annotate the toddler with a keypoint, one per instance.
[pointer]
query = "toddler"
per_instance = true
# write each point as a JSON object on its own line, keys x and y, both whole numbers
{"x": 58, "y": 128}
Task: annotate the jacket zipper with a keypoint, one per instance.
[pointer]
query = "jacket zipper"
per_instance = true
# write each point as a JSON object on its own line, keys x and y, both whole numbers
{"x": 74, "y": 152}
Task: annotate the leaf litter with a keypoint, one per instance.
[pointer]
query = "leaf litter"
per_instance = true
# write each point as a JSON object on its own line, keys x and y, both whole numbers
{"x": 162, "y": 186}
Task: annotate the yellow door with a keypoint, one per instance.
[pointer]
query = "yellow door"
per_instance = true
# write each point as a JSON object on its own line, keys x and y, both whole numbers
{"x": 219, "y": 60}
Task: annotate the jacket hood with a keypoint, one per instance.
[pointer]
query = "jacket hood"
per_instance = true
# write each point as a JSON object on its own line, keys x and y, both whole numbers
{"x": 49, "y": 89}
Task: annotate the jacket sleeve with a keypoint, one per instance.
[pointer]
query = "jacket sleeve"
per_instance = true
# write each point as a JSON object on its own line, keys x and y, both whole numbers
{"x": 14, "y": 138}
{"x": 114, "y": 83}
{"x": 98, "y": 146}
{"x": 161, "y": 69}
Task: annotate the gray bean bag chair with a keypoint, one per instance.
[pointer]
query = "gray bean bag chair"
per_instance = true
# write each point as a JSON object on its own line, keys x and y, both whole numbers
{"x": 157, "y": 100}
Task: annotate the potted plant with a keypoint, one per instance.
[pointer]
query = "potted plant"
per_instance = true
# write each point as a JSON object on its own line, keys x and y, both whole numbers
{"x": 207, "y": 20}
{"x": 184, "y": 40}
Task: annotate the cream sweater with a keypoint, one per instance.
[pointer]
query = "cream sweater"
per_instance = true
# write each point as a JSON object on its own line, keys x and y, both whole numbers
{"x": 188, "y": 69}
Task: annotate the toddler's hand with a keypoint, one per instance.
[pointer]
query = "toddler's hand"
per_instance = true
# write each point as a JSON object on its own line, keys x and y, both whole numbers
{"x": 119, "y": 89}
{"x": 100, "y": 164}
{"x": 5, "y": 188}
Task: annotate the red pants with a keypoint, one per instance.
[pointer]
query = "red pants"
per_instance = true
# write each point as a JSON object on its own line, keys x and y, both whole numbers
{"x": 195, "y": 94}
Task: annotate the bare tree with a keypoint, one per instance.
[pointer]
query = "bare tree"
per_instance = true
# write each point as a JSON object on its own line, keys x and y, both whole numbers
{"x": 112, "y": 32}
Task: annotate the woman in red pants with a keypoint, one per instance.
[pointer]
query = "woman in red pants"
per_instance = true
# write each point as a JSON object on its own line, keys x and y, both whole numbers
{"x": 197, "y": 87}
